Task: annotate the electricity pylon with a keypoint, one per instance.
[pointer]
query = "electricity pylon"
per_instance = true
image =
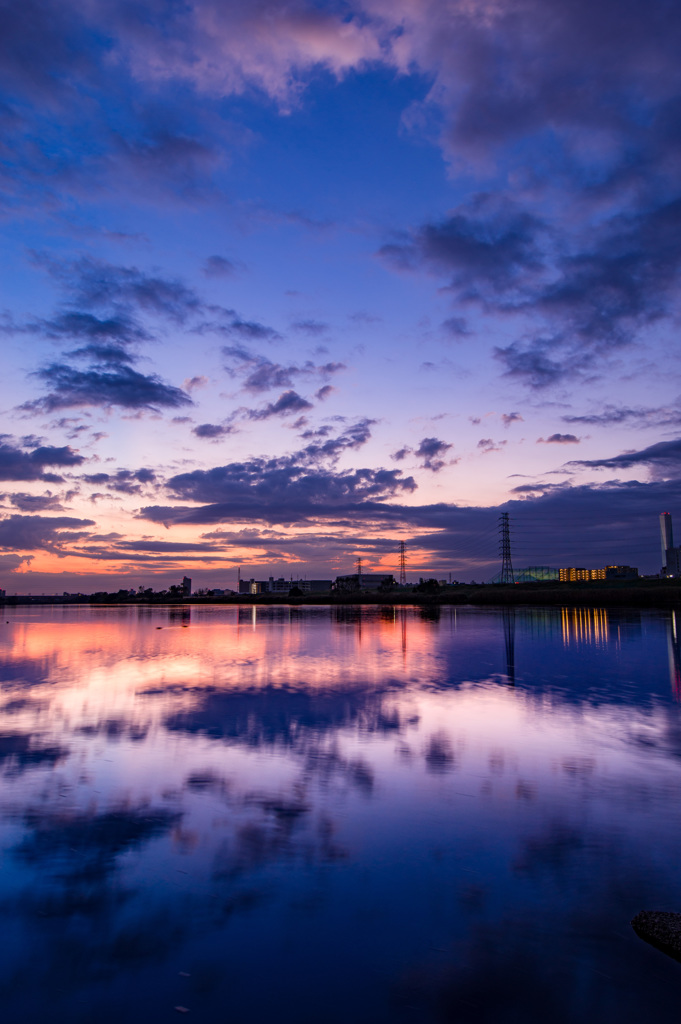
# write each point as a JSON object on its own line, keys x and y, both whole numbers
{"x": 403, "y": 564}
{"x": 505, "y": 550}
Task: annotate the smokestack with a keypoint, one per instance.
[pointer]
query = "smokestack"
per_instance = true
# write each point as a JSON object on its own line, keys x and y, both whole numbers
{"x": 666, "y": 535}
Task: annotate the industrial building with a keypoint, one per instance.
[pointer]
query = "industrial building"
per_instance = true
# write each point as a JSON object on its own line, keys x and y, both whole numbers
{"x": 671, "y": 556}
{"x": 621, "y": 572}
{"x": 365, "y": 581}
{"x": 535, "y": 574}
{"x": 283, "y": 586}
{"x": 579, "y": 575}
{"x": 609, "y": 572}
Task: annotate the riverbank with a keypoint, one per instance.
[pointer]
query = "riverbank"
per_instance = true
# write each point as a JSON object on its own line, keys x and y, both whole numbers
{"x": 642, "y": 593}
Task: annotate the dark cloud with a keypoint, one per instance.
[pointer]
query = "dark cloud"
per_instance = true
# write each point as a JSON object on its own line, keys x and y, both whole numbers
{"x": 353, "y": 437}
{"x": 212, "y": 431}
{"x": 456, "y": 326}
{"x": 580, "y": 305}
{"x": 119, "y": 328}
{"x": 124, "y": 481}
{"x": 231, "y": 324}
{"x": 507, "y": 418}
{"x": 664, "y": 457}
{"x": 261, "y": 374}
{"x": 95, "y": 284}
{"x": 487, "y": 444}
{"x": 534, "y": 365}
{"x": 312, "y": 327}
{"x": 36, "y": 502}
{"x": 290, "y": 488}
{"x": 324, "y": 392}
{"x": 122, "y": 386}
{"x": 287, "y": 403}
{"x": 489, "y": 247}
{"x": 16, "y": 464}
{"x": 218, "y": 266}
{"x": 430, "y": 451}
{"x": 561, "y": 525}
{"x": 559, "y": 439}
{"x": 29, "y": 533}
{"x": 110, "y": 356}
{"x": 613, "y": 415}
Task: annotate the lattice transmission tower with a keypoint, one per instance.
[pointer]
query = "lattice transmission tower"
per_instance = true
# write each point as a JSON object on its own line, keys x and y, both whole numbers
{"x": 506, "y": 575}
{"x": 403, "y": 564}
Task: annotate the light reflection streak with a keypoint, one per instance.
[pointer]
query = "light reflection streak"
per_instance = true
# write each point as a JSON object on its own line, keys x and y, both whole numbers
{"x": 584, "y": 626}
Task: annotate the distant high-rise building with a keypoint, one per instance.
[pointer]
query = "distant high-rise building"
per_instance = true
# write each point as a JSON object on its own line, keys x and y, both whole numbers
{"x": 666, "y": 535}
{"x": 574, "y": 574}
{"x": 186, "y": 586}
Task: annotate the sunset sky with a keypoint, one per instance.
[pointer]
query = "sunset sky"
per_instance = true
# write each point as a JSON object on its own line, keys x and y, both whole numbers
{"x": 285, "y": 283}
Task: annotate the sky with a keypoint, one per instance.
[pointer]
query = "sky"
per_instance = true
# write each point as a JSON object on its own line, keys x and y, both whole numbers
{"x": 286, "y": 283}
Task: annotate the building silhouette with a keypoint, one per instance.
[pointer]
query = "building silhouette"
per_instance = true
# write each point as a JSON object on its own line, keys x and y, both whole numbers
{"x": 283, "y": 586}
{"x": 671, "y": 556}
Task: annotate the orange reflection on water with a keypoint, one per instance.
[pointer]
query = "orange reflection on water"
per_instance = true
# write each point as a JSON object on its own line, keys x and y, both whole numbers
{"x": 584, "y": 626}
{"x": 105, "y": 657}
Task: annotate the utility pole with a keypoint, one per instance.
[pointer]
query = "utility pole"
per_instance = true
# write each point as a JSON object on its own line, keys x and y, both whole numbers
{"x": 403, "y": 564}
{"x": 359, "y": 571}
{"x": 505, "y": 549}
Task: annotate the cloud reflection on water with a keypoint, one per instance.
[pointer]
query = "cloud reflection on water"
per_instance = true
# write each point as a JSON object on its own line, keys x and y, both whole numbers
{"x": 331, "y": 793}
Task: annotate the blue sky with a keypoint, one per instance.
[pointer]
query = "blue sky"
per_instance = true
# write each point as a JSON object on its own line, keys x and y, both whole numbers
{"x": 286, "y": 283}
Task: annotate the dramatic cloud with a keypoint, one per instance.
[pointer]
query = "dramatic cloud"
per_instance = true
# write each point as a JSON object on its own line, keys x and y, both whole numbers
{"x": 94, "y": 284}
{"x": 16, "y": 464}
{"x": 125, "y": 387}
{"x": 587, "y": 302}
{"x": 35, "y": 502}
{"x": 563, "y": 526}
{"x": 489, "y": 249}
{"x": 29, "y": 533}
{"x": 287, "y": 489}
{"x": 664, "y": 457}
{"x": 151, "y": 128}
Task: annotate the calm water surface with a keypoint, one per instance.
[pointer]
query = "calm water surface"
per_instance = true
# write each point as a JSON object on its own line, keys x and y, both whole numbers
{"x": 337, "y": 815}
